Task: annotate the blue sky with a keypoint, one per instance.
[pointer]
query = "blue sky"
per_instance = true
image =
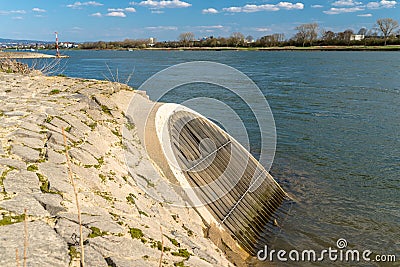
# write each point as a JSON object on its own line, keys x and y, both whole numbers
{"x": 165, "y": 20}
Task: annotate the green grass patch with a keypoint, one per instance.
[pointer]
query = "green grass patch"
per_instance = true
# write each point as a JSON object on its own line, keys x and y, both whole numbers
{"x": 44, "y": 184}
{"x": 105, "y": 195}
{"x": 100, "y": 162}
{"x": 96, "y": 232}
{"x": 49, "y": 119}
{"x": 182, "y": 252}
{"x": 4, "y": 174}
{"x": 61, "y": 75}
{"x": 159, "y": 246}
{"x": 105, "y": 109}
{"x": 136, "y": 233}
{"x": 54, "y": 92}
{"x": 9, "y": 219}
{"x": 131, "y": 198}
{"x": 32, "y": 168}
{"x": 189, "y": 232}
{"x": 102, "y": 177}
{"x": 173, "y": 241}
{"x": 93, "y": 125}
{"x": 130, "y": 126}
{"x": 73, "y": 253}
{"x": 179, "y": 264}
{"x": 143, "y": 213}
{"x": 116, "y": 133}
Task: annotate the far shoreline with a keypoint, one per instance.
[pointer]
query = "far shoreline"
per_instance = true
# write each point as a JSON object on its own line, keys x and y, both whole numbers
{"x": 10, "y": 54}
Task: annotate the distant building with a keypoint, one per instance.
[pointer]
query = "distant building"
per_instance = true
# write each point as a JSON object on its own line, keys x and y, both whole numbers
{"x": 152, "y": 41}
{"x": 357, "y": 37}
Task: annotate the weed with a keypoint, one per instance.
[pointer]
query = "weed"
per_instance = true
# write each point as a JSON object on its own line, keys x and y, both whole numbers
{"x": 131, "y": 198}
{"x": 32, "y": 168}
{"x": 49, "y": 119}
{"x": 173, "y": 241}
{"x": 54, "y": 92}
{"x": 96, "y": 232}
{"x": 10, "y": 219}
{"x": 182, "y": 252}
{"x": 143, "y": 213}
{"x": 189, "y": 232}
{"x": 105, "y": 109}
{"x": 136, "y": 233}
{"x": 102, "y": 177}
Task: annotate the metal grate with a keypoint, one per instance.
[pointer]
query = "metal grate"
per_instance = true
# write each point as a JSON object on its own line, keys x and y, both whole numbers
{"x": 240, "y": 194}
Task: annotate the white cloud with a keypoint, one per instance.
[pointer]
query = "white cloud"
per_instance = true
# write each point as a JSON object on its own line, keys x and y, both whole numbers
{"x": 98, "y": 14}
{"x": 82, "y": 4}
{"x": 341, "y": 10}
{"x": 209, "y": 11}
{"x": 128, "y": 9}
{"x": 162, "y": 28}
{"x": 288, "y": 6}
{"x": 266, "y": 7}
{"x": 157, "y": 12}
{"x": 317, "y": 6}
{"x": 36, "y": 9}
{"x": 342, "y": 3}
{"x": 365, "y": 15}
{"x": 373, "y": 5}
{"x": 262, "y": 29}
{"x": 381, "y": 4}
{"x": 115, "y": 9}
{"x": 8, "y": 12}
{"x": 116, "y": 14}
{"x": 18, "y": 18}
{"x": 211, "y": 27}
{"x": 164, "y": 4}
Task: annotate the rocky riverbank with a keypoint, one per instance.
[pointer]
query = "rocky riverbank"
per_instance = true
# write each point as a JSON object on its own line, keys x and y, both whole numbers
{"x": 25, "y": 55}
{"x": 122, "y": 225}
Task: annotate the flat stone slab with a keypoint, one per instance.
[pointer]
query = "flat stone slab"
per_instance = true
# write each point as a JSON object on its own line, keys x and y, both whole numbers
{"x": 13, "y": 163}
{"x": 22, "y": 182}
{"x": 45, "y": 246}
{"x": 21, "y": 202}
{"x": 57, "y": 175}
{"x": 69, "y": 230}
{"x": 83, "y": 156}
{"x": 26, "y": 153}
{"x": 50, "y": 202}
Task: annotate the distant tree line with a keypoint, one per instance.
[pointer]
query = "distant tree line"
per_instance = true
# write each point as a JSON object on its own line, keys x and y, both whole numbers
{"x": 385, "y": 32}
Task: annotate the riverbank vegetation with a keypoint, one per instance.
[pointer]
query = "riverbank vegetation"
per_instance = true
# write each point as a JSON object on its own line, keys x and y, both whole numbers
{"x": 384, "y": 33}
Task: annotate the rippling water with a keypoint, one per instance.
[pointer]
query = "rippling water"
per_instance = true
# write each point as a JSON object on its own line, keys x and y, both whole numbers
{"x": 338, "y": 126}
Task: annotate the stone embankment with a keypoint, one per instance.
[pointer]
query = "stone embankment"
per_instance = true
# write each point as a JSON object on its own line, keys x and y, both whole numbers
{"x": 25, "y": 55}
{"x": 122, "y": 225}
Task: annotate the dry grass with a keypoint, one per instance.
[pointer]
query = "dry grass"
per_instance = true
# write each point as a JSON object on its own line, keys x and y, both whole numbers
{"x": 71, "y": 177}
{"x": 25, "y": 238}
{"x": 116, "y": 77}
{"x": 17, "y": 257}
{"x": 49, "y": 67}
{"x": 162, "y": 247}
